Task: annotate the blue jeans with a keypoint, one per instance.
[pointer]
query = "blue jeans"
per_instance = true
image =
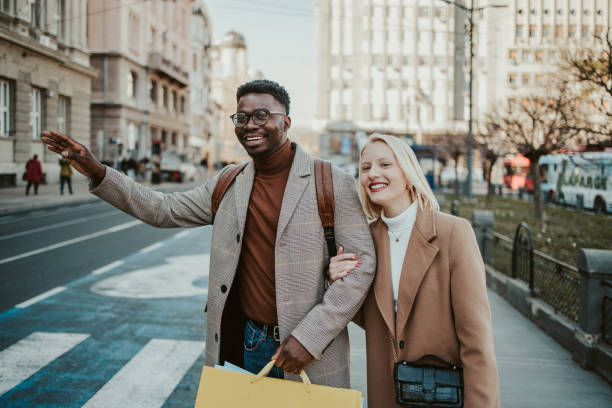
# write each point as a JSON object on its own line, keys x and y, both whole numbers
{"x": 259, "y": 347}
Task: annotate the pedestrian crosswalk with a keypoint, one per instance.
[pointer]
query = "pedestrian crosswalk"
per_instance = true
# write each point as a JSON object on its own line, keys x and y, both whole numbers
{"x": 146, "y": 380}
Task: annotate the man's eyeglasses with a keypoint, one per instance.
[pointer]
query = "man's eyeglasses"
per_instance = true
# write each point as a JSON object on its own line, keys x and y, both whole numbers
{"x": 260, "y": 117}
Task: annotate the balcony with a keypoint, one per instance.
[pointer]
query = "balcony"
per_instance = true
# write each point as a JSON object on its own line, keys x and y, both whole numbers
{"x": 156, "y": 62}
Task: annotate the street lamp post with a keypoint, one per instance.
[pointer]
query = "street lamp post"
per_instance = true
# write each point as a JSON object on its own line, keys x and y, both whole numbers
{"x": 470, "y": 136}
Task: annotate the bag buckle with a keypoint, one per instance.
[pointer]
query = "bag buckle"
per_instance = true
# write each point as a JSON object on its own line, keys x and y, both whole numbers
{"x": 276, "y": 332}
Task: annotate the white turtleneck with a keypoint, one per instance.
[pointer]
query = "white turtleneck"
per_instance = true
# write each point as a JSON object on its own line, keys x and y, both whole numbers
{"x": 399, "y": 229}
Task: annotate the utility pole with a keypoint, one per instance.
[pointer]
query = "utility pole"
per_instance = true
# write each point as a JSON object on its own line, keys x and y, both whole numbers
{"x": 470, "y": 136}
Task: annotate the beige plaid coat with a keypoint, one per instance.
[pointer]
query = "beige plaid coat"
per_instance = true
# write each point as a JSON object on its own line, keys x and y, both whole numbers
{"x": 315, "y": 317}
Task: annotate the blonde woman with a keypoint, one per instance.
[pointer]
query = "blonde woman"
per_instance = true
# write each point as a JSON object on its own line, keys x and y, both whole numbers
{"x": 429, "y": 296}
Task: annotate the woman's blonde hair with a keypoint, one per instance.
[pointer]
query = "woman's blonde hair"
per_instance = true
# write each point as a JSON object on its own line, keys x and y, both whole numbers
{"x": 407, "y": 161}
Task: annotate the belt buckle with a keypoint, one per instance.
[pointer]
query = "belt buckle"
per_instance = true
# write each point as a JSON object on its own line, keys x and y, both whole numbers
{"x": 276, "y": 333}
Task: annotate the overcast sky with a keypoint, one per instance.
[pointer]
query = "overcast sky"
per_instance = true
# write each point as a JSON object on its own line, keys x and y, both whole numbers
{"x": 280, "y": 42}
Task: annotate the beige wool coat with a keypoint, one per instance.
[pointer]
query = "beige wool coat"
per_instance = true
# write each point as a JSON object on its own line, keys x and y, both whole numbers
{"x": 315, "y": 317}
{"x": 442, "y": 309}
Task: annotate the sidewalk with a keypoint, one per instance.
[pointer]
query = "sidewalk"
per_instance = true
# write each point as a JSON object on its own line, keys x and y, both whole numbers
{"x": 534, "y": 370}
{"x": 14, "y": 200}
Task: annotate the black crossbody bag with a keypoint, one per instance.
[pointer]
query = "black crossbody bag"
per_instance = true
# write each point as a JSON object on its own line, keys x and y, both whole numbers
{"x": 423, "y": 385}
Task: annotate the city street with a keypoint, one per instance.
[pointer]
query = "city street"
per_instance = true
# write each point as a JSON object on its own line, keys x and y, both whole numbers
{"x": 116, "y": 329}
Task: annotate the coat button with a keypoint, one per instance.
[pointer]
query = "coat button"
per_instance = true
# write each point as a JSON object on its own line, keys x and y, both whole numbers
{"x": 237, "y": 237}
{"x": 216, "y": 337}
{"x": 401, "y": 344}
{"x": 223, "y": 288}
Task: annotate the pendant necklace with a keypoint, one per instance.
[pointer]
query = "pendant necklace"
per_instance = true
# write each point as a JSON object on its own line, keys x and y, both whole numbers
{"x": 398, "y": 236}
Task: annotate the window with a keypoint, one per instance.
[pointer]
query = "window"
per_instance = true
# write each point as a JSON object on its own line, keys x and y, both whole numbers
{"x": 539, "y": 55}
{"x": 545, "y": 30}
{"x": 195, "y": 62}
{"x": 164, "y": 96}
{"x": 134, "y": 22}
{"x": 423, "y": 11}
{"x": 173, "y": 138}
{"x": 526, "y": 55}
{"x": 153, "y": 91}
{"x": 36, "y": 114}
{"x": 512, "y": 79}
{"x": 532, "y": 31}
{"x": 519, "y": 30}
{"x": 512, "y": 55}
{"x": 61, "y": 19}
{"x": 571, "y": 31}
{"x": 525, "y": 79}
{"x": 63, "y": 107}
{"x": 533, "y": 12}
{"x": 153, "y": 39}
{"x": 558, "y": 31}
{"x": 585, "y": 31}
{"x": 572, "y": 12}
{"x": 35, "y": 13}
{"x": 5, "y": 108}
{"x": 174, "y": 105}
{"x": 560, "y": 12}
{"x": 182, "y": 104}
{"x": 132, "y": 80}
{"x": 519, "y": 12}
{"x": 587, "y": 12}
{"x": 5, "y": 5}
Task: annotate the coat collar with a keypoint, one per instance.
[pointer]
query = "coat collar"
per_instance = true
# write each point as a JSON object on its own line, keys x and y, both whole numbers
{"x": 296, "y": 184}
{"x": 419, "y": 256}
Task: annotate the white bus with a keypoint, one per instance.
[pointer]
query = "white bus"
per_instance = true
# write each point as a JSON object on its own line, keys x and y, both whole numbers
{"x": 567, "y": 177}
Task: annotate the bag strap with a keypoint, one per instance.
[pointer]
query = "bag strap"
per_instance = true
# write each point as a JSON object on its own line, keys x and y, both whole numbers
{"x": 223, "y": 184}
{"x": 325, "y": 202}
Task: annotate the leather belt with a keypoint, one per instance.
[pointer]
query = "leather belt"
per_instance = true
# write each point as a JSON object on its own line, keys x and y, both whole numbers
{"x": 263, "y": 326}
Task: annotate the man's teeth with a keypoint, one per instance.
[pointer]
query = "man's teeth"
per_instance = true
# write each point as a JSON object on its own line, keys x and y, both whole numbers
{"x": 377, "y": 186}
{"x": 249, "y": 138}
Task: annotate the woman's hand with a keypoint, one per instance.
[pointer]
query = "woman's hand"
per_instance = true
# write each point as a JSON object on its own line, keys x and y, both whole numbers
{"x": 341, "y": 265}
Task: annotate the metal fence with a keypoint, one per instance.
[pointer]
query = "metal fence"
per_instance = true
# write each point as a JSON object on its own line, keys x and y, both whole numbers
{"x": 549, "y": 279}
{"x": 606, "y": 318}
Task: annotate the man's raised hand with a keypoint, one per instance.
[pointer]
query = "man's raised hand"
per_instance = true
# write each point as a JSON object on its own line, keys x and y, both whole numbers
{"x": 78, "y": 155}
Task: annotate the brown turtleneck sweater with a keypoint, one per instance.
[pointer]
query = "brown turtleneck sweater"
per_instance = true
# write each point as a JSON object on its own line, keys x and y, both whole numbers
{"x": 256, "y": 265}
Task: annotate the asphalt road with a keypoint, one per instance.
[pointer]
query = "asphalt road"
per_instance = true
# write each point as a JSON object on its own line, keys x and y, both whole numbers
{"x": 44, "y": 249}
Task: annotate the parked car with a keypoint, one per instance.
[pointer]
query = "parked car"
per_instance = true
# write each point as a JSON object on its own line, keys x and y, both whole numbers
{"x": 175, "y": 168}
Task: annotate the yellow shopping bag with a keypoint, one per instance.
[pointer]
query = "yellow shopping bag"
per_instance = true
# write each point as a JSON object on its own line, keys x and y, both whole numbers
{"x": 227, "y": 389}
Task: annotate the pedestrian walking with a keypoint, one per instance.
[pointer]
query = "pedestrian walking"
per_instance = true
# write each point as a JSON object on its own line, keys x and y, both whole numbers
{"x": 65, "y": 175}
{"x": 268, "y": 255}
{"x": 428, "y": 305}
{"x": 33, "y": 174}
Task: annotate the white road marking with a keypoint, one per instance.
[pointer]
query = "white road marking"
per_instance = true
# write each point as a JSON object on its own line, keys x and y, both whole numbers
{"x": 151, "y": 247}
{"x": 47, "y": 213}
{"x": 149, "y": 378}
{"x": 61, "y": 224}
{"x": 116, "y": 228}
{"x": 40, "y": 297}
{"x": 107, "y": 268}
{"x": 174, "y": 277}
{"x": 182, "y": 234}
{"x": 26, "y": 357}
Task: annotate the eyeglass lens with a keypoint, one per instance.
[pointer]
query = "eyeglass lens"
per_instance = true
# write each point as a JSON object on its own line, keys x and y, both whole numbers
{"x": 260, "y": 117}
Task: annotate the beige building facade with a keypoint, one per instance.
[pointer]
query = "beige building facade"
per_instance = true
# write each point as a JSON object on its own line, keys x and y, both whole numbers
{"x": 391, "y": 65}
{"x": 45, "y": 81}
{"x": 230, "y": 70}
{"x": 142, "y": 51}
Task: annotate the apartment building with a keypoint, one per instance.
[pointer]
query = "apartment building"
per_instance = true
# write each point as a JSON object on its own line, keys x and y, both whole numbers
{"x": 518, "y": 46}
{"x": 142, "y": 51}
{"x": 391, "y": 65}
{"x": 45, "y": 81}
{"x": 203, "y": 124}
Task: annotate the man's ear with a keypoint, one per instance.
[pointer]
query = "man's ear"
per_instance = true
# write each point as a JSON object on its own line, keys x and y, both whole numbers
{"x": 287, "y": 121}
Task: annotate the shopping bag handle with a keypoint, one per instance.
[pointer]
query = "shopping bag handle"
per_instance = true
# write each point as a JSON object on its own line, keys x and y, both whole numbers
{"x": 264, "y": 371}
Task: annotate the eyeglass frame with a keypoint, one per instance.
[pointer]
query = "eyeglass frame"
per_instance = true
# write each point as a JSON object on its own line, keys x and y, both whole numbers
{"x": 250, "y": 116}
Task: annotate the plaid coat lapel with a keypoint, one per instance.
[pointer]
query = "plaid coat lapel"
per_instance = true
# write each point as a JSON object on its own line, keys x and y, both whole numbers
{"x": 244, "y": 185}
{"x": 296, "y": 184}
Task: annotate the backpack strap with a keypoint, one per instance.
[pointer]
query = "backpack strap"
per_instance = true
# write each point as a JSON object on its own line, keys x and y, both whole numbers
{"x": 325, "y": 202}
{"x": 223, "y": 184}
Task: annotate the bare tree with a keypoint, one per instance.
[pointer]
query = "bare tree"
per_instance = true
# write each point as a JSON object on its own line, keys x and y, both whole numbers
{"x": 535, "y": 126}
{"x": 456, "y": 145}
{"x": 590, "y": 72}
{"x": 492, "y": 144}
